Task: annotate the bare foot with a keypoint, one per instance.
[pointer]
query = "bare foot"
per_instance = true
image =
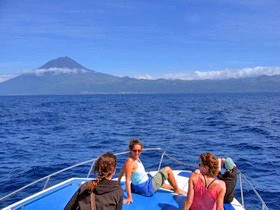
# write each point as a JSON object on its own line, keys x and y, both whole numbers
{"x": 180, "y": 191}
{"x": 167, "y": 186}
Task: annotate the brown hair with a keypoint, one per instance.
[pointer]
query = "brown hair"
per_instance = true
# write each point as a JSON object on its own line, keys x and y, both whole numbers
{"x": 134, "y": 142}
{"x": 210, "y": 160}
{"x": 104, "y": 167}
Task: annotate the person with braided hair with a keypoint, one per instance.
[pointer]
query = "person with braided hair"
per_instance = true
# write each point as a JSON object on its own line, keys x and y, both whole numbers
{"x": 101, "y": 193}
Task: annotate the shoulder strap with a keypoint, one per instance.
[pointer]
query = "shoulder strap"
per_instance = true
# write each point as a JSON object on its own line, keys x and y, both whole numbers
{"x": 205, "y": 181}
{"x": 92, "y": 201}
{"x": 207, "y": 186}
{"x": 211, "y": 183}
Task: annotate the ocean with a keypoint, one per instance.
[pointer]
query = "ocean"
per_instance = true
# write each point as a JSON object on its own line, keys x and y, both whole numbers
{"x": 42, "y": 134}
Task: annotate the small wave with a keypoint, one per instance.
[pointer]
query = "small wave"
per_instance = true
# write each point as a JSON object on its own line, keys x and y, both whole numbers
{"x": 254, "y": 130}
{"x": 248, "y": 146}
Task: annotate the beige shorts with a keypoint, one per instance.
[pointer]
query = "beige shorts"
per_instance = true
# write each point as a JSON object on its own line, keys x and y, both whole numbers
{"x": 159, "y": 178}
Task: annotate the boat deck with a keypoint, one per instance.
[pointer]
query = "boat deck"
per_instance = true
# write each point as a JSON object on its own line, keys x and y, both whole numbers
{"x": 165, "y": 199}
{"x": 56, "y": 197}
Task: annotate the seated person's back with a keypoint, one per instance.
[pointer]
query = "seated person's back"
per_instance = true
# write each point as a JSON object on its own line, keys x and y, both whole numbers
{"x": 101, "y": 193}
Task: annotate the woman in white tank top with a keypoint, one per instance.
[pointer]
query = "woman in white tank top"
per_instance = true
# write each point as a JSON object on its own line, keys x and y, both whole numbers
{"x": 137, "y": 179}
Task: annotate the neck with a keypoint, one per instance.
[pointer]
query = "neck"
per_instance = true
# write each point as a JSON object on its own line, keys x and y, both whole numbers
{"x": 206, "y": 175}
{"x": 134, "y": 158}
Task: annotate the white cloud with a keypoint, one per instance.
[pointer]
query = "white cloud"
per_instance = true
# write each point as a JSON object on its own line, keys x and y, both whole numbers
{"x": 40, "y": 72}
{"x": 197, "y": 75}
{"x": 146, "y": 76}
{"x": 6, "y": 77}
{"x": 224, "y": 74}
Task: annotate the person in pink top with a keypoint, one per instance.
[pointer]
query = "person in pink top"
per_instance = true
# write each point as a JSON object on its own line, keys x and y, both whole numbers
{"x": 206, "y": 192}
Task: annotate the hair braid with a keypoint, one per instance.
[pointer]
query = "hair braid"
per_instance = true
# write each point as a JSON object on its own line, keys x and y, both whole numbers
{"x": 91, "y": 185}
{"x": 105, "y": 167}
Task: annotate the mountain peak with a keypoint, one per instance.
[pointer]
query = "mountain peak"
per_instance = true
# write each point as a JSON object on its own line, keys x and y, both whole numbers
{"x": 62, "y": 62}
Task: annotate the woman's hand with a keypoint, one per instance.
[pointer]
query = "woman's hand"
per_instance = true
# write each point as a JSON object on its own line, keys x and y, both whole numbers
{"x": 128, "y": 200}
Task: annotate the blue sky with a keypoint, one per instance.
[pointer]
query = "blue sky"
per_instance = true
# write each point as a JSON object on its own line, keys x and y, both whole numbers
{"x": 143, "y": 39}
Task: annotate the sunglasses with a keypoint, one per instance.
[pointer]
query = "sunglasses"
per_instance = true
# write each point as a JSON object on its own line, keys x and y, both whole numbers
{"x": 137, "y": 150}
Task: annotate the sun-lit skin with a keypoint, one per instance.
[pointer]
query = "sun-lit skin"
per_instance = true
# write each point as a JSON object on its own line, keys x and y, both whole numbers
{"x": 203, "y": 169}
{"x": 136, "y": 152}
{"x": 131, "y": 166}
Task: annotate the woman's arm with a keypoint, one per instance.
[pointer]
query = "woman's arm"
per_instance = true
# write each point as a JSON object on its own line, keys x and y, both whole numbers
{"x": 128, "y": 170}
{"x": 221, "y": 161}
{"x": 220, "y": 199}
{"x": 121, "y": 174}
{"x": 189, "y": 199}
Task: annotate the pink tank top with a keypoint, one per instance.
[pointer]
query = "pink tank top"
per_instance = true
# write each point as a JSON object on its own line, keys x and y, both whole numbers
{"x": 204, "y": 198}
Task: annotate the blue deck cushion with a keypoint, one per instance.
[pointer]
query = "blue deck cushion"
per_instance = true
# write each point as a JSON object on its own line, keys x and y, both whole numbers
{"x": 160, "y": 200}
{"x": 228, "y": 206}
{"x": 53, "y": 199}
{"x": 185, "y": 174}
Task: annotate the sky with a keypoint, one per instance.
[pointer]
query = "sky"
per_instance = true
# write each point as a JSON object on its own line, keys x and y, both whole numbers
{"x": 171, "y": 39}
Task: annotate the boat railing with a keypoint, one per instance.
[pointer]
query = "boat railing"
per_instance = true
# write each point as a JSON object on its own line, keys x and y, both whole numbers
{"x": 47, "y": 178}
{"x": 242, "y": 178}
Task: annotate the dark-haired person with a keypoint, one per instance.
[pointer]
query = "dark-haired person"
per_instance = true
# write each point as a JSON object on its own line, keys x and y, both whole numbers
{"x": 101, "y": 193}
{"x": 229, "y": 177}
{"x": 139, "y": 181}
{"x": 206, "y": 192}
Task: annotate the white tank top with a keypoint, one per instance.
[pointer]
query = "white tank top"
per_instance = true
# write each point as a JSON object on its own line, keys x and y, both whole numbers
{"x": 139, "y": 175}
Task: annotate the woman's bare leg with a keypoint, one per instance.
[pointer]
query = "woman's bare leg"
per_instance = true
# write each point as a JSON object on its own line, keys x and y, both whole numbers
{"x": 171, "y": 179}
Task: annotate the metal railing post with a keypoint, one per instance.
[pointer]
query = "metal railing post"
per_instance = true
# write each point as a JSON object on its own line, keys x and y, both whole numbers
{"x": 90, "y": 170}
{"x": 46, "y": 183}
{"x": 255, "y": 191}
{"x": 241, "y": 189}
{"x": 160, "y": 162}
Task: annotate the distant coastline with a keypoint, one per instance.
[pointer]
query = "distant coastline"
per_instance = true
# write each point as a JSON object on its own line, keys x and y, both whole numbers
{"x": 64, "y": 76}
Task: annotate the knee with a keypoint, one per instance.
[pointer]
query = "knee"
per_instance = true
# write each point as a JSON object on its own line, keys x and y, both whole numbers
{"x": 167, "y": 169}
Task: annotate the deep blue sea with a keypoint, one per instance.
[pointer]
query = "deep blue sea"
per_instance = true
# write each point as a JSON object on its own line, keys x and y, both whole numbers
{"x": 42, "y": 134}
